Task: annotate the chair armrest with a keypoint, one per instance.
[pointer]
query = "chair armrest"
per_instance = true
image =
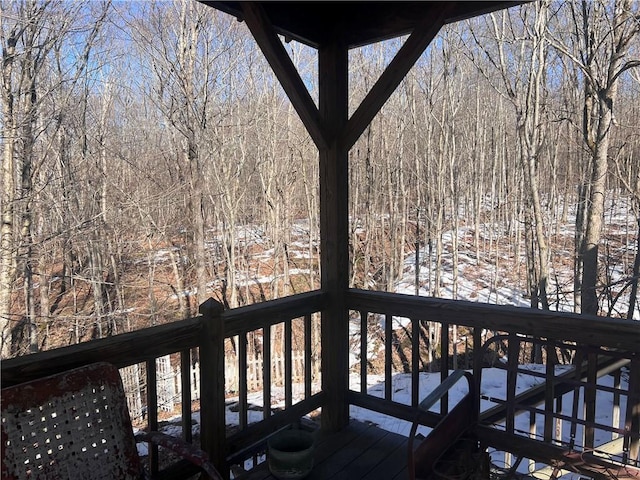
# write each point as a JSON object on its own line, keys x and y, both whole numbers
{"x": 185, "y": 450}
{"x": 443, "y": 388}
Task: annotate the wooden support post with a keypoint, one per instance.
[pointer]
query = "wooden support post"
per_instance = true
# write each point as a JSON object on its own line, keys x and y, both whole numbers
{"x": 212, "y": 408}
{"x": 334, "y": 234}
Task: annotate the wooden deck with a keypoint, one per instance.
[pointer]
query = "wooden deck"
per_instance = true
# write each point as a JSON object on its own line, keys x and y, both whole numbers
{"x": 359, "y": 452}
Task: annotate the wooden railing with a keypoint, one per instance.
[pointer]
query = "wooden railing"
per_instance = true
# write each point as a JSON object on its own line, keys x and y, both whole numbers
{"x": 570, "y": 352}
{"x": 550, "y": 404}
{"x": 204, "y": 336}
{"x": 566, "y": 354}
{"x": 294, "y": 319}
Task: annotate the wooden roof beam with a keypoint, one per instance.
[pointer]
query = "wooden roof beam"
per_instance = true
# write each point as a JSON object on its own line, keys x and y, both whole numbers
{"x": 395, "y": 72}
{"x": 272, "y": 48}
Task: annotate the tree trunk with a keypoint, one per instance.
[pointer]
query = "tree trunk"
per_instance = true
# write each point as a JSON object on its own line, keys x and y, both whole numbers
{"x": 595, "y": 214}
{"x": 7, "y": 226}
{"x": 601, "y": 45}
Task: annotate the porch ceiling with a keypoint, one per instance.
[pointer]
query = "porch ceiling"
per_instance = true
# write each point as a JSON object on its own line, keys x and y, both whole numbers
{"x": 358, "y": 23}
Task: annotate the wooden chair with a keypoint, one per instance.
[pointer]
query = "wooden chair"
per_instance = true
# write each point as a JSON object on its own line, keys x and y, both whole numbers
{"x": 450, "y": 450}
{"x": 76, "y": 425}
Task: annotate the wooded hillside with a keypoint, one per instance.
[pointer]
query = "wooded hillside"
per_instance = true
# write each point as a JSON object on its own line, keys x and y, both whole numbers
{"x": 150, "y": 160}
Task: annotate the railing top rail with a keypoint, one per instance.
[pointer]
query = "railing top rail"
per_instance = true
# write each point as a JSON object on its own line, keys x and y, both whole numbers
{"x": 152, "y": 342}
{"x": 258, "y": 315}
{"x": 583, "y": 329}
{"x": 121, "y": 350}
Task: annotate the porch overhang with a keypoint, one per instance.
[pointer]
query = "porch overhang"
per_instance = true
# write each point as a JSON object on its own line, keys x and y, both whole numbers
{"x": 357, "y": 23}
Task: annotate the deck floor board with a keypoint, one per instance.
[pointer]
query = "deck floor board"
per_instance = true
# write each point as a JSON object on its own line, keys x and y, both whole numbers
{"x": 360, "y": 451}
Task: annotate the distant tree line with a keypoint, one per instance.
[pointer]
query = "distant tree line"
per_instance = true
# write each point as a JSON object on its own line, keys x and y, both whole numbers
{"x": 143, "y": 144}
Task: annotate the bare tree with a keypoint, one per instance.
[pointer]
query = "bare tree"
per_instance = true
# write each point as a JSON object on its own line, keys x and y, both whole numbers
{"x": 517, "y": 49}
{"x": 179, "y": 44}
{"x": 28, "y": 36}
{"x": 598, "y": 44}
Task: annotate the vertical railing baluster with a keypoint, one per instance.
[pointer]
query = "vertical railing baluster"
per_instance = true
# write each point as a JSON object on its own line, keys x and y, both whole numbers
{"x": 632, "y": 421}
{"x": 243, "y": 390}
{"x": 388, "y": 356}
{"x": 558, "y": 421}
{"x": 266, "y": 372}
{"x": 288, "y": 377}
{"x": 152, "y": 412}
{"x": 364, "y": 337}
{"x": 454, "y": 347}
{"x": 590, "y": 394}
{"x": 444, "y": 365}
{"x": 307, "y": 356}
{"x": 549, "y": 394}
{"x": 477, "y": 354}
{"x": 415, "y": 362}
{"x": 185, "y": 384}
{"x": 532, "y": 434}
{"x": 466, "y": 352}
{"x": 513, "y": 350}
{"x": 575, "y": 404}
{"x": 615, "y": 414}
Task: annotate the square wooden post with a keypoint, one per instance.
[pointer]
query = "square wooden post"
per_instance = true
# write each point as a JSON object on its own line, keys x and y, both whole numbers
{"x": 213, "y": 426}
{"x": 334, "y": 233}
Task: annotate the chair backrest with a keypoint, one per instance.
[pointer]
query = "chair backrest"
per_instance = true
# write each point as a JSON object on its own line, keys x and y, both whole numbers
{"x": 74, "y": 425}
